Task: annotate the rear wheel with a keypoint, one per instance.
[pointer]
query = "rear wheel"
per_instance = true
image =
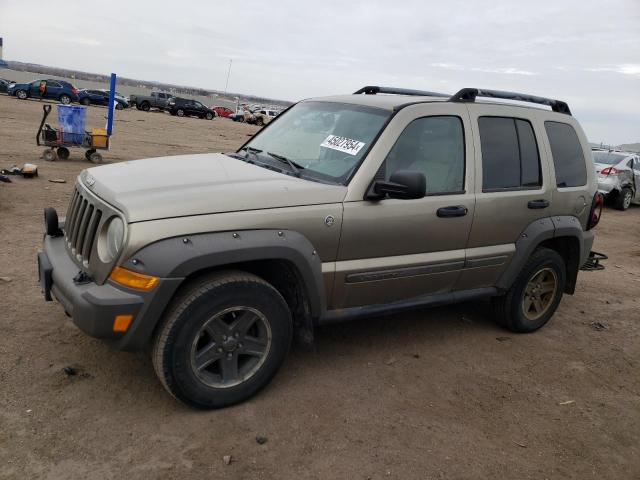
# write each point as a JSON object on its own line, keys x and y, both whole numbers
{"x": 63, "y": 153}
{"x": 145, "y": 106}
{"x": 535, "y": 294}
{"x": 119, "y": 106}
{"x": 623, "y": 199}
{"x": 65, "y": 99}
{"x": 21, "y": 94}
{"x": 222, "y": 340}
{"x": 259, "y": 121}
{"x": 85, "y": 101}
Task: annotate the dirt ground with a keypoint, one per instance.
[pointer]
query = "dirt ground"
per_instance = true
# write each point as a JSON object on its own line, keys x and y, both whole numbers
{"x": 432, "y": 394}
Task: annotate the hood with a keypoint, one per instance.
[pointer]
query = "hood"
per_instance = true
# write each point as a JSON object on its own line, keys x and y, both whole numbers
{"x": 200, "y": 184}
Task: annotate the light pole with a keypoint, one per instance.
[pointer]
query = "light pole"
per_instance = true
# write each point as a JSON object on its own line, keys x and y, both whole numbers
{"x": 228, "y": 74}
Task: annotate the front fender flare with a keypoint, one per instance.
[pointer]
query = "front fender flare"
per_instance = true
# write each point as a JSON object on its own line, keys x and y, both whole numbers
{"x": 179, "y": 257}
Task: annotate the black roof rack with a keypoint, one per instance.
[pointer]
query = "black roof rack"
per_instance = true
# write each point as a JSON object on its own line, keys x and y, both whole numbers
{"x": 372, "y": 90}
{"x": 470, "y": 94}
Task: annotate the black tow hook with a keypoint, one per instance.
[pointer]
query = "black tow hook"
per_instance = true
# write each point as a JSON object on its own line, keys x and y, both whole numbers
{"x": 593, "y": 262}
{"x": 82, "y": 278}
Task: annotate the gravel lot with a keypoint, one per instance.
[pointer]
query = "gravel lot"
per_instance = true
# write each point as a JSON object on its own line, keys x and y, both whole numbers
{"x": 432, "y": 394}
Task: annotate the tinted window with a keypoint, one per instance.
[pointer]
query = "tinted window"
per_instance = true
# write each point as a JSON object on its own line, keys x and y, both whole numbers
{"x": 435, "y": 147}
{"x": 509, "y": 153}
{"x": 566, "y": 151}
{"x": 53, "y": 84}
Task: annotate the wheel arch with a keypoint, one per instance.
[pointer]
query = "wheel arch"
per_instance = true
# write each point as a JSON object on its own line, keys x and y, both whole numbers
{"x": 563, "y": 234}
{"x": 285, "y": 259}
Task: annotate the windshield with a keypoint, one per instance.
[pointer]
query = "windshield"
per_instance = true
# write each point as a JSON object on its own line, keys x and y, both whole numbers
{"x": 608, "y": 158}
{"x": 325, "y": 140}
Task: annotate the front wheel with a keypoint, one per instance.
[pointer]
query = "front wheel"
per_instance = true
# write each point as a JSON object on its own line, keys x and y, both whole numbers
{"x": 21, "y": 94}
{"x": 209, "y": 116}
{"x": 222, "y": 340}
{"x": 85, "y": 101}
{"x": 180, "y": 112}
{"x": 119, "y": 106}
{"x": 65, "y": 99}
{"x": 535, "y": 294}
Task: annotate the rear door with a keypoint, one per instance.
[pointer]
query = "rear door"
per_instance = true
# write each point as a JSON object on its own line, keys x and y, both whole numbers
{"x": 512, "y": 188}
{"x": 53, "y": 90}
{"x": 392, "y": 249}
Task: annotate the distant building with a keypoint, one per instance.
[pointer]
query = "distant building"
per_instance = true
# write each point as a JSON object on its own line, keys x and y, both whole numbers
{"x": 3, "y": 64}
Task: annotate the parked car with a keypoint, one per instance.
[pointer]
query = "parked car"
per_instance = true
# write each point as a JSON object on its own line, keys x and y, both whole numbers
{"x": 618, "y": 177}
{"x": 264, "y": 116}
{"x": 4, "y": 85}
{"x": 100, "y": 97}
{"x": 223, "y": 111}
{"x": 185, "y": 107}
{"x": 347, "y": 207}
{"x": 59, "y": 90}
{"x": 147, "y": 102}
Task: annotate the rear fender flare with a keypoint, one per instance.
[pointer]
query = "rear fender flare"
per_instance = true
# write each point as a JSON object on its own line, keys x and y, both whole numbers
{"x": 536, "y": 233}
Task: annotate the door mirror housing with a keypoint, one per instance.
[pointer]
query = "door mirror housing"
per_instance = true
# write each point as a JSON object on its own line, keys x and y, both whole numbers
{"x": 403, "y": 184}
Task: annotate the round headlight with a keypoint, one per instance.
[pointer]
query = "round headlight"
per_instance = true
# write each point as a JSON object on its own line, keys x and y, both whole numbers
{"x": 111, "y": 239}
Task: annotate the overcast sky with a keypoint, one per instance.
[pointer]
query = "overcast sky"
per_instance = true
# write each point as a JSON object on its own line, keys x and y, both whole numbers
{"x": 585, "y": 52}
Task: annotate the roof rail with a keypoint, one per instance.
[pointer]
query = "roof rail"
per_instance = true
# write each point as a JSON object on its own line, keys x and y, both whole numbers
{"x": 470, "y": 94}
{"x": 372, "y": 90}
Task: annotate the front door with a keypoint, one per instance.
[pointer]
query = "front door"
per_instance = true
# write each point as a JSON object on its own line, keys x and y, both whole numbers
{"x": 392, "y": 249}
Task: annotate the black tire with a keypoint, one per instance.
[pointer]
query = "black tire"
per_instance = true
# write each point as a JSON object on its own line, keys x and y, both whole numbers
{"x": 180, "y": 112}
{"x": 209, "y": 116}
{"x": 22, "y": 94}
{"x": 145, "y": 106}
{"x": 259, "y": 121}
{"x": 622, "y": 201}
{"x": 509, "y": 309}
{"x": 85, "y": 101}
{"x": 119, "y": 106}
{"x": 63, "y": 153}
{"x": 65, "y": 99}
{"x": 176, "y": 338}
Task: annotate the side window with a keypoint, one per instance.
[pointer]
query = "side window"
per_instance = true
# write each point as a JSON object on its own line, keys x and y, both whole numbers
{"x": 568, "y": 158}
{"x": 510, "y": 158}
{"x": 435, "y": 147}
{"x": 53, "y": 84}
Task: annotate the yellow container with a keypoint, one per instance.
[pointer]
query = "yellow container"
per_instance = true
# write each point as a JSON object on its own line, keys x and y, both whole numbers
{"x": 99, "y": 137}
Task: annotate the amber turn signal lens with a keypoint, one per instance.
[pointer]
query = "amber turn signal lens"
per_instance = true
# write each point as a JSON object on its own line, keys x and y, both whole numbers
{"x": 121, "y": 323}
{"x": 134, "y": 280}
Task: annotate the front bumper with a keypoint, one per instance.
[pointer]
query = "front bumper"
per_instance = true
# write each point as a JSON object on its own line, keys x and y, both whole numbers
{"x": 93, "y": 307}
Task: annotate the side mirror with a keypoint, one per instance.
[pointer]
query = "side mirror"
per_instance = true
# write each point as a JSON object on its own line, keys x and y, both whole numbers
{"x": 403, "y": 184}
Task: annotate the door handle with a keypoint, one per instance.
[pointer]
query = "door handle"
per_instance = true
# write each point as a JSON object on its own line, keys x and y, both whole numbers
{"x": 537, "y": 204}
{"x": 452, "y": 211}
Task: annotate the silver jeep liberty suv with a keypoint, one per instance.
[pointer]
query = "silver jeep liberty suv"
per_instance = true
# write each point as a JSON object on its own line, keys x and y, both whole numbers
{"x": 342, "y": 207}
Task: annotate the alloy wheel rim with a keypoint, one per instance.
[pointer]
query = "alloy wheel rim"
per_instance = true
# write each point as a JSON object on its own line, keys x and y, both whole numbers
{"x": 627, "y": 199}
{"x": 230, "y": 347}
{"x": 539, "y": 293}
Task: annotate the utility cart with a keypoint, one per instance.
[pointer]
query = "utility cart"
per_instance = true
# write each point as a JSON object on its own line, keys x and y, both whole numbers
{"x": 58, "y": 141}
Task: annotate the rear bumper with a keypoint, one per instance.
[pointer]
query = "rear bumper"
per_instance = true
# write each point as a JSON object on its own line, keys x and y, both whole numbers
{"x": 94, "y": 307}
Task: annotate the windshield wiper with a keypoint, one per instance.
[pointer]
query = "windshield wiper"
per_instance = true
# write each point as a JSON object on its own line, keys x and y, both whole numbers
{"x": 294, "y": 166}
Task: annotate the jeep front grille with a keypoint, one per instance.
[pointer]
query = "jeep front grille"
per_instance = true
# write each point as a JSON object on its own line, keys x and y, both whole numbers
{"x": 81, "y": 225}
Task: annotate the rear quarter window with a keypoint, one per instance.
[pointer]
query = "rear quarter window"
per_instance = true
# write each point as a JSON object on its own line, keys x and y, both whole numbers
{"x": 568, "y": 157}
